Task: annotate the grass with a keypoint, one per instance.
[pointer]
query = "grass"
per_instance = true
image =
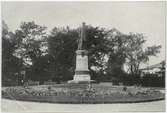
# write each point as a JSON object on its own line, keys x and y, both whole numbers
{"x": 65, "y": 93}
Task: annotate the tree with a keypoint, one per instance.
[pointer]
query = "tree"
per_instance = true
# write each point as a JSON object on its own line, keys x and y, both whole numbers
{"x": 97, "y": 47}
{"x": 126, "y": 49}
{"x": 11, "y": 65}
{"x": 31, "y": 46}
{"x": 116, "y": 44}
{"x": 62, "y": 44}
{"x": 136, "y": 54}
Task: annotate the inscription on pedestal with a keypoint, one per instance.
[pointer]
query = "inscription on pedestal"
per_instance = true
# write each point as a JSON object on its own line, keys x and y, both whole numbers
{"x": 81, "y": 62}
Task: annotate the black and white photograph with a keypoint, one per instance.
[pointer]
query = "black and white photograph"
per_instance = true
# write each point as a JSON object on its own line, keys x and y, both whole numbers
{"x": 83, "y": 56}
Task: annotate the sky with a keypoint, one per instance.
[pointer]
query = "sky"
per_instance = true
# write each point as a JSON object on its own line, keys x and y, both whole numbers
{"x": 138, "y": 17}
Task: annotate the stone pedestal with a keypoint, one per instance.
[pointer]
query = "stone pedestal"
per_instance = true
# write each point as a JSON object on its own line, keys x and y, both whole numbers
{"x": 81, "y": 71}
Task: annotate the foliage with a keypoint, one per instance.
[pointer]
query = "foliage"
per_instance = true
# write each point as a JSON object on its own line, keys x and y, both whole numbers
{"x": 52, "y": 56}
{"x": 153, "y": 80}
{"x": 31, "y": 42}
{"x": 116, "y": 54}
{"x": 136, "y": 54}
{"x": 32, "y": 48}
{"x": 61, "y": 48}
{"x": 11, "y": 65}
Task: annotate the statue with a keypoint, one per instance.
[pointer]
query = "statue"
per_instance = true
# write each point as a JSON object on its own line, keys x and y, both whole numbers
{"x": 81, "y": 72}
{"x": 82, "y": 39}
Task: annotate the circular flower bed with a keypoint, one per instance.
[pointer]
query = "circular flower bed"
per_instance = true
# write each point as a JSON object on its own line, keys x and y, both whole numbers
{"x": 94, "y": 94}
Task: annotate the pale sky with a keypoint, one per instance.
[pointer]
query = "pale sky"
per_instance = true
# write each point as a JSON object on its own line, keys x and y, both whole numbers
{"x": 141, "y": 17}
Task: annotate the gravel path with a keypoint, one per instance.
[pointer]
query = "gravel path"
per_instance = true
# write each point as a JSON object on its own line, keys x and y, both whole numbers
{"x": 20, "y": 106}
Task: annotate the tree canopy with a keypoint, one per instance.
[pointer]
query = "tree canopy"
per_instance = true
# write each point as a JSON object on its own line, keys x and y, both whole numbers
{"x": 52, "y": 55}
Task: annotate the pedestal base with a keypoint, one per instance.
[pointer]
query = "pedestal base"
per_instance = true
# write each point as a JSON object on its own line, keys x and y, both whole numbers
{"x": 80, "y": 82}
{"x": 81, "y": 72}
{"x": 84, "y": 77}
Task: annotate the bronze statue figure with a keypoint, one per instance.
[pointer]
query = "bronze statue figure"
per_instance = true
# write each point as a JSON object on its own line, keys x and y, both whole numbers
{"x": 82, "y": 39}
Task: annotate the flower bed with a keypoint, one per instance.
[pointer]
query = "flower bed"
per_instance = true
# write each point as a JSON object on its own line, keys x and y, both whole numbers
{"x": 95, "y": 94}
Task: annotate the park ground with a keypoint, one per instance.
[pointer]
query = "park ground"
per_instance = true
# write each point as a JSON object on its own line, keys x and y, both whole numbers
{"x": 20, "y": 106}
